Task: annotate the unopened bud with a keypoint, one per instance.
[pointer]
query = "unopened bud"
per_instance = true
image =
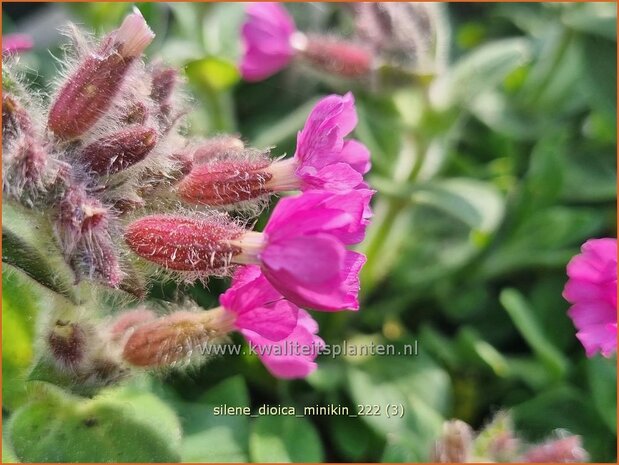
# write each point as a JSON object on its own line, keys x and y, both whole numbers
{"x": 135, "y": 113}
{"x": 455, "y": 443}
{"x": 130, "y": 320}
{"x": 217, "y": 146}
{"x": 101, "y": 260}
{"x": 164, "y": 82}
{"x": 15, "y": 119}
{"x": 67, "y": 343}
{"x": 176, "y": 337}
{"x": 119, "y": 151}
{"x": 564, "y": 450}
{"x": 25, "y": 168}
{"x": 225, "y": 182}
{"x": 90, "y": 91}
{"x": 336, "y": 56}
{"x": 79, "y": 213}
{"x": 183, "y": 243}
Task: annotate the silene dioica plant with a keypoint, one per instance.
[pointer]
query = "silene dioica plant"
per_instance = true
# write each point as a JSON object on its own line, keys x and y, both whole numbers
{"x": 126, "y": 198}
{"x": 103, "y": 177}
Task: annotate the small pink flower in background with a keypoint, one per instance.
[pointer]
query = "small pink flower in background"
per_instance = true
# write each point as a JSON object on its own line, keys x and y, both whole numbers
{"x": 16, "y": 43}
{"x": 592, "y": 291}
{"x": 266, "y": 37}
{"x": 282, "y": 335}
{"x": 303, "y": 253}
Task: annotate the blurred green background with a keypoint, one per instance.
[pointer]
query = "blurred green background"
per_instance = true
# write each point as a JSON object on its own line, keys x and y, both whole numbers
{"x": 489, "y": 176}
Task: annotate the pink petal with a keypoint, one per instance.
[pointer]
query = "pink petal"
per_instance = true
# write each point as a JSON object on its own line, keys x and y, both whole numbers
{"x": 294, "y": 356}
{"x": 592, "y": 288}
{"x": 335, "y": 177}
{"x": 356, "y": 155}
{"x": 344, "y": 215}
{"x": 16, "y": 43}
{"x": 321, "y": 141}
{"x": 599, "y": 338}
{"x": 258, "y": 306}
{"x": 266, "y": 37}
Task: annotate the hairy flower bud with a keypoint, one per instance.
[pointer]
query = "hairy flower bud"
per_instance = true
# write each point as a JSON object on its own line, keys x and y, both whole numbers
{"x": 563, "y": 450}
{"x": 176, "y": 337}
{"x": 135, "y": 113}
{"x": 78, "y": 214}
{"x": 455, "y": 443}
{"x": 119, "y": 151}
{"x": 101, "y": 260}
{"x": 225, "y": 181}
{"x": 67, "y": 344}
{"x": 90, "y": 91}
{"x": 217, "y": 146}
{"x": 15, "y": 119}
{"x": 164, "y": 81}
{"x": 335, "y": 56}
{"x": 129, "y": 320}
{"x": 185, "y": 244}
{"x": 24, "y": 168}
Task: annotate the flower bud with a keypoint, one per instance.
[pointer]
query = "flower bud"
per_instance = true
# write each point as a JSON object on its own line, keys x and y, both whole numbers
{"x": 225, "y": 182}
{"x": 129, "y": 320}
{"x": 336, "y": 56}
{"x": 90, "y": 91}
{"x": 183, "y": 243}
{"x": 455, "y": 443}
{"x": 563, "y": 450}
{"x": 25, "y": 167}
{"x": 101, "y": 259}
{"x": 216, "y": 147}
{"x": 78, "y": 214}
{"x": 135, "y": 113}
{"x": 15, "y": 119}
{"x": 164, "y": 81}
{"x": 119, "y": 151}
{"x": 176, "y": 337}
{"x": 67, "y": 344}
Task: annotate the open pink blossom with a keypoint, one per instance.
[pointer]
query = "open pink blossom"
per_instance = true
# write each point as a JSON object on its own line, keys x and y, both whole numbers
{"x": 303, "y": 253}
{"x": 16, "y": 43}
{"x": 257, "y": 306}
{"x": 294, "y": 356}
{"x": 323, "y": 158}
{"x": 266, "y": 37}
{"x": 282, "y": 335}
{"x": 592, "y": 291}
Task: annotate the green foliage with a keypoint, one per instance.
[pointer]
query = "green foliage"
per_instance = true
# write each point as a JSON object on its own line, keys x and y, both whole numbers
{"x": 488, "y": 179}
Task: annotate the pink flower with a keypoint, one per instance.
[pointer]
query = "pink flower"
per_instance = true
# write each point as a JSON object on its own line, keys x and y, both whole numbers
{"x": 283, "y": 336}
{"x": 16, "y": 43}
{"x": 592, "y": 291}
{"x": 258, "y": 307}
{"x": 303, "y": 253}
{"x": 266, "y": 37}
{"x": 323, "y": 159}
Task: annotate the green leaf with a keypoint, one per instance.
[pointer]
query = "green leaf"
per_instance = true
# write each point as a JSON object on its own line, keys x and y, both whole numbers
{"x": 476, "y": 203}
{"x": 21, "y": 255}
{"x": 134, "y": 427}
{"x": 216, "y": 438}
{"x": 19, "y": 310}
{"x": 599, "y": 18}
{"x": 214, "y": 73}
{"x": 600, "y": 60}
{"x": 602, "y": 377}
{"x": 284, "y": 438}
{"x": 479, "y": 71}
{"x": 523, "y": 317}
